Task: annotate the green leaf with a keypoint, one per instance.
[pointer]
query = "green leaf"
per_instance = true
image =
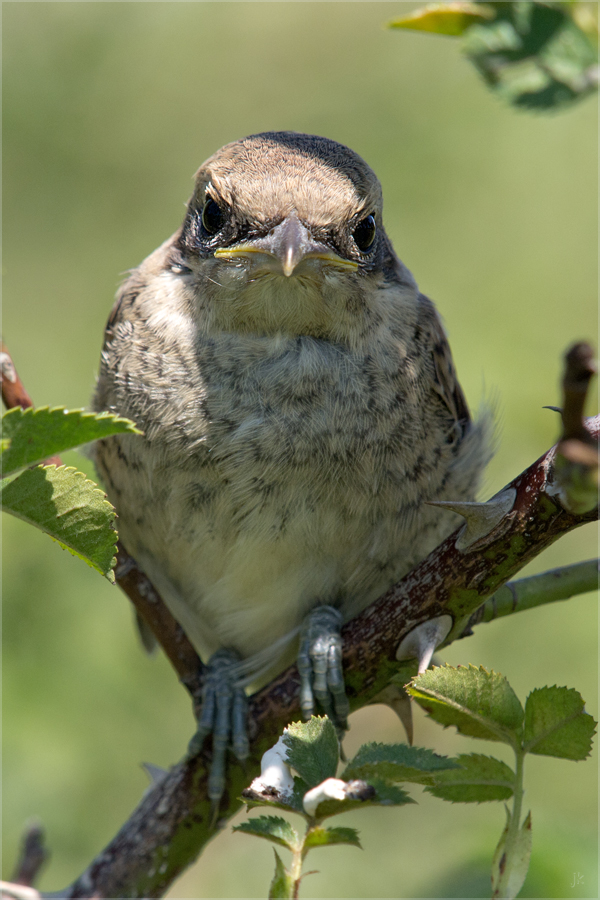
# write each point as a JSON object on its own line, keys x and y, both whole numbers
{"x": 387, "y": 794}
{"x": 535, "y": 55}
{"x": 291, "y": 803}
{"x": 324, "y": 801}
{"x": 313, "y": 749}
{"x": 479, "y": 779}
{"x": 72, "y": 510}
{"x": 451, "y": 19}
{"x": 557, "y": 725}
{"x": 319, "y": 837}
{"x": 36, "y": 434}
{"x": 282, "y": 886}
{"x": 273, "y": 828}
{"x": 396, "y": 762}
{"x": 510, "y": 865}
{"x": 478, "y": 703}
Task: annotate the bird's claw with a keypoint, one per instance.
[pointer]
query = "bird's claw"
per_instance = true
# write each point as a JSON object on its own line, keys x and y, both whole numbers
{"x": 224, "y": 707}
{"x": 320, "y": 666}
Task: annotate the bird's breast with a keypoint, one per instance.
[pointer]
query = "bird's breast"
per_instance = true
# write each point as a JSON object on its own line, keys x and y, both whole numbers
{"x": 295, "y": 402}
{"x": 292, "y": 472}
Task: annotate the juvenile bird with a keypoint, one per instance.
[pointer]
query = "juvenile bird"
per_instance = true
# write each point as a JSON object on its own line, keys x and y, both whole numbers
{"x": 299, "y": 404}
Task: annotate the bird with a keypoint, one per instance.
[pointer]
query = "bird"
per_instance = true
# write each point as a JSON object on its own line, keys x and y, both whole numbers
{"x": 299, "y": 406}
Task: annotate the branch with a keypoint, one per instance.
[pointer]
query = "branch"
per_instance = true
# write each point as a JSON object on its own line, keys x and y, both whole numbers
{"x": 33, "y": 855}
{"x": 13, "y": 390}
{"x": 577, "y": 462}
{"x": 527, "y": 593}
{"x": 173, "y": 821}
{"x": 166, "y": 629}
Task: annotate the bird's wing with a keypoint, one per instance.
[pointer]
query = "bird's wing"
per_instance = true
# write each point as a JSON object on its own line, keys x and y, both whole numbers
{"x": 445, "y": 382}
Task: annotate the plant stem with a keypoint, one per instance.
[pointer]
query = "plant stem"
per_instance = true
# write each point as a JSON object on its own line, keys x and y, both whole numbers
{"x": 510, "y": 859}
{"x": 537, "y": 590}
{"x": 296, "y": 868}
{"x": 517, "y": 804}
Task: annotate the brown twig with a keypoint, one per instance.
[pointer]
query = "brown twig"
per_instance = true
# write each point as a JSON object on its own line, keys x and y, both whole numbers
{"x": 577, "y": 460}
{"x": 13, "y": 390}
{"x": 580, "y": 368}
{"x": 14, "y": 393}
{"x": 164, "y": 626}
{"x": 32, "y": 857}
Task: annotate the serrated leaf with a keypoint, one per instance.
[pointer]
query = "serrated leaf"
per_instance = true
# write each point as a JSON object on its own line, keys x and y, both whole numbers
{"x": 319, "y": 837}
{"x": 313, "y": 749}
{"x": 72, "y": 510}
{"x": 36, "y": 434}
{"x": 273, "y": 828}
{"x": 451, "y": 19}
{"x": 282, "y": 886}
{"x": 297, "y": 797}
{"x": 477, "y": 780}
{"x": 510, "y": 865}
{"x": 335, "y": 796}
{"x": 534, "y": 55}
{"x": 387, "y": 794}
{"x": 396, "y": 762}
{"x": 570, "y": 54}
{"x": 291, "y": 803}
{"x": 478, "y": 703}
{"x": 556, "y": 724}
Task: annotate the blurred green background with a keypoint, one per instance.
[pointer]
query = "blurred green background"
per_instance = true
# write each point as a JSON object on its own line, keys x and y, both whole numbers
{"x": 109, "y": 108}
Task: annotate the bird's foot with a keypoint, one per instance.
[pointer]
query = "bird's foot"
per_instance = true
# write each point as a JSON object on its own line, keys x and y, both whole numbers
{"x": 224, "y": 711}
{"x": 320, "y": 666}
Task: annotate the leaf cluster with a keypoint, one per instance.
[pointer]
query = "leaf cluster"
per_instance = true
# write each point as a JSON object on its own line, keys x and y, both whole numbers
{"x": 482, "y": 704}
{"x": 536, "y": 55}
{"x": 478, "y": 703}
{"x": 370, "y": 779}
{"x": 59, "y": 500}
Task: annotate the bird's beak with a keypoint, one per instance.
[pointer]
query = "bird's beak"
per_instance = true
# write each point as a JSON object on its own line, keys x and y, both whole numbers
{"x": 290, "y": 242}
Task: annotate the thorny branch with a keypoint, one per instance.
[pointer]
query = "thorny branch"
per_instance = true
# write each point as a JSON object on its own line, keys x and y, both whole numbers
{"x": 173, "y": 821}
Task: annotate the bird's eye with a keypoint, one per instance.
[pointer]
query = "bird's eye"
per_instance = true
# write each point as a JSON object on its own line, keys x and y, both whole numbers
{"x": 213, "y": 217}
{"x": 364, "y": 233}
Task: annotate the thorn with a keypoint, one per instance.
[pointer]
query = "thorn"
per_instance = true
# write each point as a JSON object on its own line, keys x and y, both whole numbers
{"x": 397, "y": 699}
{"x": 154, "y": 773}
{"x": 421, "y": 642}
{"x": 481, "y": 518}
{"x": 557, "y": 409}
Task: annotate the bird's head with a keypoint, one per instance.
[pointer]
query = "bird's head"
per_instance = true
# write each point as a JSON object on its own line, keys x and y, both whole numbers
{"x": 284, "y": 235}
